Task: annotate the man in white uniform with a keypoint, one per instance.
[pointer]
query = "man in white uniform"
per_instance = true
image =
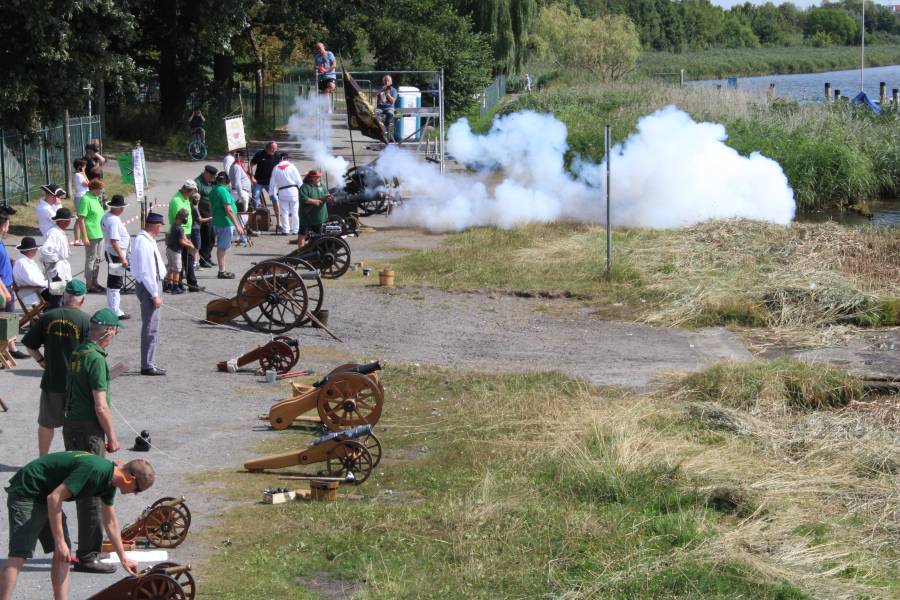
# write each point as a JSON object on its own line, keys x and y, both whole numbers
{"x": 47, "y": 207}
{"x": 55, "y": 251}
{"x": 147, "y": 268}
{"x": 286, "y": 182}
{"x": 27, "y": 275}
{"x": 240, "y": 183}
{"x": 115, "y": 244}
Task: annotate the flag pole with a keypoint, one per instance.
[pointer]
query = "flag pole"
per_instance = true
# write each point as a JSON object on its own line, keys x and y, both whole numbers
{"x": 347, "y": 108}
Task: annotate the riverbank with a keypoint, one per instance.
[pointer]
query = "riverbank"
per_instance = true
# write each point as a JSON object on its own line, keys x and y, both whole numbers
{"x": 729, "y": 62}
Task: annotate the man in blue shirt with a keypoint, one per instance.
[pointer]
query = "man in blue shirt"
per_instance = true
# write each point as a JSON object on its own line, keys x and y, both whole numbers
{"x": 325, "y": 71}
{"x": 386, "y": 96}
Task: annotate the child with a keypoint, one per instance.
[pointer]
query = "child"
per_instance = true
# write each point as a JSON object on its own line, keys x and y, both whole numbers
{"x": 195, "y": 227}
{"x": 175, "y": 241}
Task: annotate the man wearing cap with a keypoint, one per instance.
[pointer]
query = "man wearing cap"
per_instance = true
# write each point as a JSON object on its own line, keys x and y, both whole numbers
{"x": 285, "y": 184}
{"x": 115, "y": 244}
{"x": 28, "y": 276}
{"x": 205, "y": 182}
{"x": 182, "y": 201}
{"x": 55, "y": 251}
{"x": 224, "y": 213}
{"x": 264, "y": 162}
{"x": 59, "y": 331}
{"x": 313, "y": 208}
{"x": 47, "y": 207}
{"x": 90, "y": 213}
{"x": 147, "y": 268}
{"x": 88, "y": 426}
{"x": 35, "y": 496}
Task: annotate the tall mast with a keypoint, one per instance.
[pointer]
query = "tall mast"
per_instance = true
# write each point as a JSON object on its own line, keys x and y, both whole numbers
{"x": 862, "y": 62}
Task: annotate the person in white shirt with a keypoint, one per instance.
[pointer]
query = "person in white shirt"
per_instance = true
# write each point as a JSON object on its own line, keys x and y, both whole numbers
{"x": 55, "y": 251}
{"x": 27, "y": 275}
{"x": 240, "y": 183}
{"x": 47, "y": 207}
{"x": 147, "y": 268}
{"x": 286, "y": 182}
{"x": 115, "y": 244}
{"x": 228, "y": 161}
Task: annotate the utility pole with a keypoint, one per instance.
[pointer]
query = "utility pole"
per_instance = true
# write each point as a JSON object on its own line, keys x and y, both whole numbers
{"x": 89, "y": 88}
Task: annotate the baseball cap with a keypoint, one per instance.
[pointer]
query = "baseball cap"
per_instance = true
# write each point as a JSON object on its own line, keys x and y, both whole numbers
{"x": 189, "y": 184}
{"x": 105, "y": 316}
{"x": 76, "y": 287}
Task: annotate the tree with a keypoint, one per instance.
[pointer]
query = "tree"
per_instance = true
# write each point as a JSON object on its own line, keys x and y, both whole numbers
{"x": 507, "y": 24}
{"x": 838, "y": 24}
{"x": 607, "y": 47}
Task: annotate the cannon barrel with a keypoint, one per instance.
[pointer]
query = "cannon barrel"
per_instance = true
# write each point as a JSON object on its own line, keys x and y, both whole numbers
{"x": 366, "y": 369}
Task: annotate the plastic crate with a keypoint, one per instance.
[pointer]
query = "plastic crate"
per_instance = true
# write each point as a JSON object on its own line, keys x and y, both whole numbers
{"x": 9, "y": 325}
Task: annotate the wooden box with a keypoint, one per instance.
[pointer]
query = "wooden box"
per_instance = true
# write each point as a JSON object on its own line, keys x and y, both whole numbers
{"x": 9, "y": 325}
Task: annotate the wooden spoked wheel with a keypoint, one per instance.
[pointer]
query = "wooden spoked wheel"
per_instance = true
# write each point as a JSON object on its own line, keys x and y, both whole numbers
{"x": 166, "y": 526}
{"x": 373, "y": 376}
{"x": 182, "y": 507}
{"x": 281, "y": 358}
{"x": 157, "y": 586}
{"x": 332, "y": 254}
{"x": 315, "y": 290}
{"x": 184, "y": 579}
{"x": 272, "y": 297}
{"x": 372, "y": 444}
{"x": 295, "y": 348}
{"x": 349, "y": 400}
{"x": 349, "y": 456}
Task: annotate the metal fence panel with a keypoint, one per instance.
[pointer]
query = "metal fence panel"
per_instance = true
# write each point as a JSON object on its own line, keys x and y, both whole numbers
{"x": 492, "y": 94}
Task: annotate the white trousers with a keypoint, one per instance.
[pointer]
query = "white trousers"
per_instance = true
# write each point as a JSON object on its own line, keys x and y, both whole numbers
{"x": 290, "y": 217}
{"x": 114, "y": 300}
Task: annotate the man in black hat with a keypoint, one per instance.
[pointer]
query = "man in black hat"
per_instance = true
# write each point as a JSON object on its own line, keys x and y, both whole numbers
{"x": 147, "y": 268}
{"x": 55, "y": 251}
{"x": 115, "y": 244}
{"x": 205, "y": 182}
{"x": 28, "y": 276}
{"x": 47, "y": 207}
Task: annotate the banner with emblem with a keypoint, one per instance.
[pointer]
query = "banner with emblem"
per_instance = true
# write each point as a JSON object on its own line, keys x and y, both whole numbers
{"x": 361, "y": 114}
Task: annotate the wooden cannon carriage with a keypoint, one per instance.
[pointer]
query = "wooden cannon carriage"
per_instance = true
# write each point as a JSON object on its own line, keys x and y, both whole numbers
{"x": 163, "y": 524}
{"x": 273, "y": 296}
{"x": 328, "y": 253}
{"x": 353, "y": 452}
{"x": 280, "y": 355}
{"x": 165, "y": 581}
{"x": 350, "y": 396}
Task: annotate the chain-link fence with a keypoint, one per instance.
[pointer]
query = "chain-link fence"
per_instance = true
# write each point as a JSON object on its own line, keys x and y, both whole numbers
{"x": 492, "y": 94}
{"x": 29, "y": 161}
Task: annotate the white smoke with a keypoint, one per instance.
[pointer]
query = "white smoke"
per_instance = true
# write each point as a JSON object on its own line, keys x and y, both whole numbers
{"x": 308, "y": 125}
{"x": 673, "y": 172}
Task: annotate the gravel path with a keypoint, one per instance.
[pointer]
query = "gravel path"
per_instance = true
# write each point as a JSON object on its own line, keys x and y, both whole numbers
{"x": 200, "y": 420}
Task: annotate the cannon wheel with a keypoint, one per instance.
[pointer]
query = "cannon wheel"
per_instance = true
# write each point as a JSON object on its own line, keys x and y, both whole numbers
{"x": 315, "y": 290}
{"x": 349, "y": 400}
{"x": 184, "y": 579}
{"x": 157, "y": 586}
{"x": 183, "y": 507}
{"x": 373, "y": 445}
{"x": 332, "y": 254}
{"x": 373, "y": 376}
{"x": 281, "y": 357}
{"x": 272, "y": 297}
{"x": 295, "y": 348}
{"x": 166, "y": 526}
{"x": 349, "y": 456}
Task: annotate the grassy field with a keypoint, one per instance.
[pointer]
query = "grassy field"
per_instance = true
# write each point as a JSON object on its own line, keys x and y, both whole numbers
{"x": 719, "y": 273}
{"x": 530, "y": 486}
{"x": 832, "y": 154}
{"x": 725, "y": 62}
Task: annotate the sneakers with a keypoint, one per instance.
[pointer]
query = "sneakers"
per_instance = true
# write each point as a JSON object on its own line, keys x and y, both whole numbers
{"x": 18, "y": 354}
{"x": 226, "y": 275}
{"x": 124, "y": 317}
{"x": 192, "y": 287}
{"x": 197, "y": 265}
{"x": 177, "y": 289}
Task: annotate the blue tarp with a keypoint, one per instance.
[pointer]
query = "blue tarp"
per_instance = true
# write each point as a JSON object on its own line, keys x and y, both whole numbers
{"x": 862, "y": 98}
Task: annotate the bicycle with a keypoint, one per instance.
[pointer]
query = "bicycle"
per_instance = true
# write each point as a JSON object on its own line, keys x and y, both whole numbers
{"x": 197, "y": 149}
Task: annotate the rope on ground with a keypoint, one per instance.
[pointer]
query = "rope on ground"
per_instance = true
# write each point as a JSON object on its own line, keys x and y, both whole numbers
{"x": 269, "y": 336}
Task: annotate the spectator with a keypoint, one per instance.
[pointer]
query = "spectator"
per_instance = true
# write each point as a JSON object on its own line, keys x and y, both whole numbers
{"x": 313, "y": 211}
{"x": 147, "y": 269}
{"x": 527, "y": 83}
{"x": 55, "y": 251}
{"x": 264, "y": 162}
{"x": 228, "y": 160}
{"x": 285, "y": 185}
{"x": 90, "y": 213}
{"x": 80, "y": 184}
{"x": 180, "y": 201}
{"x": 177, "y": 246}
{"x": 59, "y": 331}
{"x": 47, "y": 207}
{"x": 196, "y": 221}
{"x": 196, "y": 123}
{"x": 224, "y": 217}
{"x": 94, "y": 159}
{"x": 240, "y": 183}
{"x": 7, "y": 300}
{"x": 205, "y": 182}
{"x": 325, "y": 68}
{"x": 386, "y": 97}
{"x": 115, "y": 244}
{"x": 28, "y": 276}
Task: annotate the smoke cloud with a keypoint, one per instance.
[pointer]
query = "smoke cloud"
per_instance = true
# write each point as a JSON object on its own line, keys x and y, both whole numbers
{"x": 673, "y": 172}
{"x": 312, "y": 131}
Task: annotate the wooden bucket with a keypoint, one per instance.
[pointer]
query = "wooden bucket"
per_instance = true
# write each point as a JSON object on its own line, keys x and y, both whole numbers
{"x": 323, "y": 490}
{"x": 386, "y": 277}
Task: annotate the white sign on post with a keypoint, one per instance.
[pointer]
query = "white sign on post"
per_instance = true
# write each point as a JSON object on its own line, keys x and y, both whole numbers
{"x": 234, "y": 131}
{"x": 137, "y": 161}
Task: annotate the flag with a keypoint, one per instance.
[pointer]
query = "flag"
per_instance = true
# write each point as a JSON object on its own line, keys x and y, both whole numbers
{"x": 361, "y": 114}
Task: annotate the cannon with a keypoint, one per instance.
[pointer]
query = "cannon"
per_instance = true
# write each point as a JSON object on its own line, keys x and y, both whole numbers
{"x": 163, "y": 524}
{"x": 353, "y": 452}
{"x": 365, "y": 192}
{"x": 349, "y": 396}
{"x": 165, "y": 581}
{"x": 326, "y": 252}
{"x": 273, "y": 296}
{"x": 280, "y": 355}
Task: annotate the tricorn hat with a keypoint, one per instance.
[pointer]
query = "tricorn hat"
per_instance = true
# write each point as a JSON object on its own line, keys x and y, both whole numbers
{"x": 63, "y": 214}
{"x": 54, "y": 190}
{"x": 27, "y": 244}
{"x": 117, "y": 201}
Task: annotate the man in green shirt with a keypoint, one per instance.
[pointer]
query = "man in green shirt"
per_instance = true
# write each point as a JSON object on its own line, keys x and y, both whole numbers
{"x": 313, "y": 207}
{"x": 90, "y": 213}
{"x": 59, "y": 331}
{"x": 205, "y": 182}
{"x": 35, "y": 496}
{"x": 181, "y": 201}
{"x": 88, "y": 426}
{"x": 224, "y": 216}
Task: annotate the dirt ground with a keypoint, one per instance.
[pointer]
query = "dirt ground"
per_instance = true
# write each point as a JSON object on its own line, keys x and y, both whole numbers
{"x": 201, "y": 419}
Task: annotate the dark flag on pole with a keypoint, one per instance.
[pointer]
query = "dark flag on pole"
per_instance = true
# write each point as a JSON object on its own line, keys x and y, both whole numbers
{"x": 361, "y": 114}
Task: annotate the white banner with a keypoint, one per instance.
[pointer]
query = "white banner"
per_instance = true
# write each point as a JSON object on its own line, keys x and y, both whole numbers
{"x": 234, "y": 131}
{"x": 137, "y": 161}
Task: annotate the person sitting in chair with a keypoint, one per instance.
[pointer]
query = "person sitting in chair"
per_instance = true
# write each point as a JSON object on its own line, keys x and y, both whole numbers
{"x": 55, "y": 251}
{"x": 386, "y": 97}
{"x": 28, "y": 276}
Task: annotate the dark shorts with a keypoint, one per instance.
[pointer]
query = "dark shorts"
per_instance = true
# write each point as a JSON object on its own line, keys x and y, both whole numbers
{"x": 324, "y": 84}
{"x": 29, "y": 522}
{"x": 52, "y": 411}
{"x": 306, "y": 230}
{"x": 114, "y": 282}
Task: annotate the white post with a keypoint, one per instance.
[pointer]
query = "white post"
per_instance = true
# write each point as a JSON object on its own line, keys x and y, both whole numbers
{"x": 608, "y": 144}
{"x": 862, "y": 63}
{"x": 441, "y": 117}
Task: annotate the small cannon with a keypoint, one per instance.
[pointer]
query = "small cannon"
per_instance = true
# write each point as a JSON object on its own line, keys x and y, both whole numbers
{"x": 163, "y": 524}
{"x": 350, "y": 396}
{"x": 353, "y": 452}
{"x": 273, "y": 296}
{"x": 326, "y": 252}
{"x": 365, "y": 190}
{"x": 165, "y": 581}
{"x": 280, "y": 355}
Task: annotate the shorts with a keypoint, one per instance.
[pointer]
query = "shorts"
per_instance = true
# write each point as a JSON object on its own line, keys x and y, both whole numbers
{"x": 325, "y": 82}
{"x": 52, "y": 411}
{"x": 223, "y": 238}
{"x": 29, "y": 522}
{"x": 306, "y": 230}
{"x": 173, "y": 259}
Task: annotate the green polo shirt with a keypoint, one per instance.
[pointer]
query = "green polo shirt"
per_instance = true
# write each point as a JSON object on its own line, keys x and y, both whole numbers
{"x": 88, "y": 371}
{"x": 205, "y": 190}
{"x": 85, "y": 474}
{"x": 59, "y": 331}
{"x": 178, "y": 202}
{"x": 91, "y": 209}
{"x": 218, "y": 200}
{"x": 309, "y": 214}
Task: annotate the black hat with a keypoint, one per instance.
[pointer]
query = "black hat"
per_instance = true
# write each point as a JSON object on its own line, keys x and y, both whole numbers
{"x": 210, "y": 169}
{"x": 222, "y": 176}
{"x": 117, "y": 201}
{"x": 142, "y": 443}
{"x": 54, "y": 190}
{"x": 92, "y": 147}
{"x": 27, "y": 244}
{"x": 154, "y": 218}
{"x": 63, "y": 214}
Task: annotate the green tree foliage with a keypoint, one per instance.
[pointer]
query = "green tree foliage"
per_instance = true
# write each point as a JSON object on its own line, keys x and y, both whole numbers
{"x": 840, "y": 27}
{"x": 606, "y": 46}
{"x": 507, "y": 24}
